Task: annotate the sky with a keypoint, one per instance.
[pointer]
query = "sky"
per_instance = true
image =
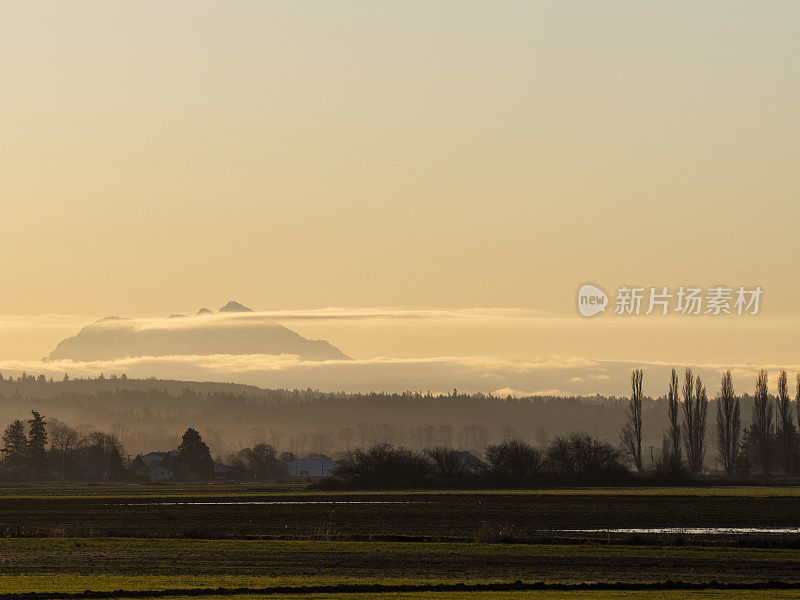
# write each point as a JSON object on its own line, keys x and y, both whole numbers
{"x": 158, "y": 157}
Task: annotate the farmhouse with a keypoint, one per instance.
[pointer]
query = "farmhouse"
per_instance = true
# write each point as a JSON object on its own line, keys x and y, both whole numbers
{"x": 155, "y": 472}
{"x": 152, "y": 459}
{"x": 311, "y": 466}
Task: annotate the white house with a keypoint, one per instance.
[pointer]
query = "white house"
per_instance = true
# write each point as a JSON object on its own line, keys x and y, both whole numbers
{"x": 311, "y": 466}
{"x": 152, "y": 459}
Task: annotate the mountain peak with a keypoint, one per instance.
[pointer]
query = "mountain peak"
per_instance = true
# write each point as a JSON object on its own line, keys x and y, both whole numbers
{"x": 234, "y": 306}
{"x": 204, "y": 312}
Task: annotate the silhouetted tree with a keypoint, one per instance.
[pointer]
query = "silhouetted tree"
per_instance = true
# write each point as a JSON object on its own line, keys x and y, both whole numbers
{"x": 513, "y": 462}
{"x": 786, "y": 433}
{"x": 673, "y": 453}
{"x": 37, "y": 440}
{"x": 582, "y": 457}
{"x": 728, "y": 424}
{"x": 15, "y": 443}
{"x": 695, "y": 408}
{"x": 797, "y": 397}
{"x": 116, "y": 468}
{"x": 632, "y": 432}
{"x": 759, "y": 434}
{"x": 446, "y": 460}
{"x": 262, "y": 461}
{"x": 194, "y": 455}
{"x": 95, "y": 454}
{"x": 473, "y": 437}
{"x": 63, "y": 441}
{"x": 384, "y": 466}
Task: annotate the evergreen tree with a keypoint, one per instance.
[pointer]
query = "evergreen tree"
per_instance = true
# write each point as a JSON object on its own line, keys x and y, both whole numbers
{"x": 37, "y": 440}
{"x": 116, "y": 468}
{"x": 15, "y": 444}
{"x": 195, "y": 456}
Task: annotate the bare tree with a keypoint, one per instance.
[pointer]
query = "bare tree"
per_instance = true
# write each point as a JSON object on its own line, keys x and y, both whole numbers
{"x": 695, "y": 408}
{"x": 473, "y": 437}
{"x": 299, "y": 443}
{"x": 760, "y": 432}
{"x": 276, "y": 438}
{"x": 728, "y": 424}
{"x": 346, "y": 436}
{"x": 513, "y": 462}
{"x": 63, "y": 441}
{"x": 797, "y": 398}
{"x": 444, "y": 435}
{"x": 422, "y": 436}
{"x": 256, "y": 435}
{"x": 446, "y": 460}
{"x": 364, "y": 434}
{"x": 321, "y": 442}
{"x": 386, "y": 433}
{"x": 785, "y": 427}
{"x": 215, "y": 438}
{"x": 508, "y": 432}
{"x": 581, "y": 456}
{"x": 673, "y": 453}
{"x": 632, "y": 431}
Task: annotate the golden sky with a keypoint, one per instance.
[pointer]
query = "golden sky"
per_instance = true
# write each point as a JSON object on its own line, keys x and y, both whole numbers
{"x": 158, "y": 157}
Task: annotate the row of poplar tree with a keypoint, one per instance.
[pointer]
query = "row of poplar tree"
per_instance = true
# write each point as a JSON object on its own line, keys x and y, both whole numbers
{"x": 769, "y": 443}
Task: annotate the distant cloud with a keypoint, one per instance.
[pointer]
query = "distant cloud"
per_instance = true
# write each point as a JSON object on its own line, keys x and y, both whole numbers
{"x": 557, "y": 376}
{"x": 47, "y": 320}
{"x": 322, "y": 314}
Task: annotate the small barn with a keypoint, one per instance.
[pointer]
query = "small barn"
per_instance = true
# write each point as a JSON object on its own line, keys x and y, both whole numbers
{"x": 311, "y": 466}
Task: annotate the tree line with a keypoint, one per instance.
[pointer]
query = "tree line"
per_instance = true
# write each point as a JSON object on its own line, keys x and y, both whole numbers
{"x": 577, "y": 458}
{"x": 769, "y": 445}
{"x": 36, "y": 449}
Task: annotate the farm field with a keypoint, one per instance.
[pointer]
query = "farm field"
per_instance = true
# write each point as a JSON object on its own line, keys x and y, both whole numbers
{"x": 225, "y": 513}
{"x": 106, "y": 538}
{"x": 220, "y": 489}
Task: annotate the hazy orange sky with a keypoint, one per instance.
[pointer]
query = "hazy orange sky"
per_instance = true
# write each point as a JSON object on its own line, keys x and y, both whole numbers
{"x": 158, "y": 157}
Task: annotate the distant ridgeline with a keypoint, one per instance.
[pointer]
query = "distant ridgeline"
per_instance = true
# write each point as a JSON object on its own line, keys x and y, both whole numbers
{"x": 231, "y": 331}
{"x": 152, "y": 412}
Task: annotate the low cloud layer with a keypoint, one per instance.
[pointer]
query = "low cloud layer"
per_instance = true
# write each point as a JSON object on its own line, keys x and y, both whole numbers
{"x": 558, "y": 376}
{"x": 399, "y": 349}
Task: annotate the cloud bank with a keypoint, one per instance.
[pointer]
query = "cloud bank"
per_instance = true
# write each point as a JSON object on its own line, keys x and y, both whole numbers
{"x": 551, "y": 376}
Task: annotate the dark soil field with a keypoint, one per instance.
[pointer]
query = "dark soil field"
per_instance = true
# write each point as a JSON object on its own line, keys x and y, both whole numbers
{"x": 146, "y": 540}
{"x": 379, "y": 516}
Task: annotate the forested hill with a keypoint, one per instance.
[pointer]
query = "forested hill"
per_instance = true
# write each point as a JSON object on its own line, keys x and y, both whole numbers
{"x": 150, "y": 414}
{"x": 38, "y": 386}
